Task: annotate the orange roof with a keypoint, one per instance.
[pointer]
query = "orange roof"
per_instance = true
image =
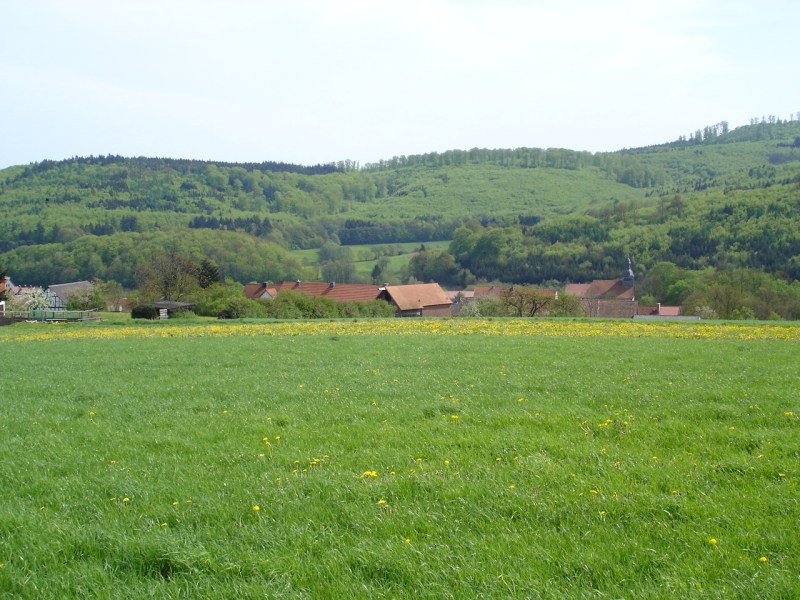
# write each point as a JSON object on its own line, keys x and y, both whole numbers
{"x": 419, "y": 295}
{"x": 607, "y": 289}
{"x": 487, "y": 290}
{"x": 341, "y": 292}
{"x": 669, "y": 311}
{"x": 256, "y": 291}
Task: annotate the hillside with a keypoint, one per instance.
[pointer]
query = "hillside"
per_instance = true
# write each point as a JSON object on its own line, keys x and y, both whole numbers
{"x": 723, "y": 199}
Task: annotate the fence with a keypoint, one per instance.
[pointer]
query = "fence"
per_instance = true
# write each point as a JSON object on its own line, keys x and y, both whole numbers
{"x": 49, "y": 316}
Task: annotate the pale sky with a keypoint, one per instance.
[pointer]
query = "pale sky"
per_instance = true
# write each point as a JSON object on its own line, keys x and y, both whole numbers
{"x": 317, "y": 81}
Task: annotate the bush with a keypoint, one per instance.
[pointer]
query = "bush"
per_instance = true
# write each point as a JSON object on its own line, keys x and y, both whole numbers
{"x": 144, "y": 311}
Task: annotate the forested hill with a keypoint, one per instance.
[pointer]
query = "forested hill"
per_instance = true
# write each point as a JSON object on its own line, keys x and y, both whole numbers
{"x": 716, "y": 199}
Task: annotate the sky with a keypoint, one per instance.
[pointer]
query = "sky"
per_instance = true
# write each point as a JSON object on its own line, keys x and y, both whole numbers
{"x": 320, "y": 81}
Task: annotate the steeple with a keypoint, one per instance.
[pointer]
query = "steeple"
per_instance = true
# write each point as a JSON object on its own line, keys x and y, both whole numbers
{"x": 627, "y": 278}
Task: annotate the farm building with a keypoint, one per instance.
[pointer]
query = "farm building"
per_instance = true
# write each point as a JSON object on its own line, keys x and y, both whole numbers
{"x": 59, "y": 294}
{"x": 418, "y": 300}
{"x": 341, "y": 292}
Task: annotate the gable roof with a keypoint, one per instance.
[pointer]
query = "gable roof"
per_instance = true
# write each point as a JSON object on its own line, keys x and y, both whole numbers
{"x": 341, "y": 292}
{"x": 419, "y": 295}
{"x": 606, "y": 289}
{"x": 256, "y": 291}
{"x": 487, "y": 290}
{"x": 63, "y": 290}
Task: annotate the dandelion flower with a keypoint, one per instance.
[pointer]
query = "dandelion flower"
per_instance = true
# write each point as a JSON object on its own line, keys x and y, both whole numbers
{"x": 382, "y": 502}
{"x": 763, "y": 559}
{"x": 370, "y": 474}
{"x": 712, "y": 541}
{"x": 454, "y": 417}
{"x": 126, "y": 499}
{"x": 163, "y": 524}
{"x": 256, "y": 507}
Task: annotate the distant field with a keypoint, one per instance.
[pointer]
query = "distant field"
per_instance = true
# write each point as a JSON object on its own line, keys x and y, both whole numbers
{"x": 400, "y": 458}
{"x": 364, "y": 268}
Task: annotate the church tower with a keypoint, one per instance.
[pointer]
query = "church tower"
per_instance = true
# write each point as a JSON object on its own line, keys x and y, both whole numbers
{"x": 627, "y": 278}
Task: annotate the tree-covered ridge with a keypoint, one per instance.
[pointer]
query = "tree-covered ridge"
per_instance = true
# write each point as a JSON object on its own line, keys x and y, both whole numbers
{"x": 721, "y": 199}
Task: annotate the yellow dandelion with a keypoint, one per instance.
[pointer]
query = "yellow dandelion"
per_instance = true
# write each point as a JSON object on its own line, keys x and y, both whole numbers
{"x": 163, "y": 524}
{"x": 447, "y": 462}
{"x": 454, "y": 417}
{"x": 788, "y": 413}
{"x": 512, "y": 486}
{"x": 406, "y": 541}
{"x": 369, "y": 474}
{"x": 382, "y": 502}
{"x": 256, "y": 507}
{"x": 175, "y": 503}
{"x": 712, "y": 541}
{"x": 763, "y": 559}
{"x": 126, "y": 499}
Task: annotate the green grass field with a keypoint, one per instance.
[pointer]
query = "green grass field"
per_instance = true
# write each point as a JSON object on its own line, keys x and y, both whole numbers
{"x": 379, "y": 465}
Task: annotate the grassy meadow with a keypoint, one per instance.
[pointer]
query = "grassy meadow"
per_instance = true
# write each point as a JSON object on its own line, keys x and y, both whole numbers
{"x": 400, "y": 458}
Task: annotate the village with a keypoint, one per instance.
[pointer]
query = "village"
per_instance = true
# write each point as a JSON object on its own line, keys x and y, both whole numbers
{"x": 604, "y": 298}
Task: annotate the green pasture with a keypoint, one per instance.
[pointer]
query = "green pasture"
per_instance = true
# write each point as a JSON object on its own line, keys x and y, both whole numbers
{"x": 404, "y": 252}
{"x": 408, "y": 466}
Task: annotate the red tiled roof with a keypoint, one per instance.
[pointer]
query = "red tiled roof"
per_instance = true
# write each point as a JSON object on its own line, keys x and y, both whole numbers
{"x": 465, "y": 294}
{"x": 487, "y": 290}
{"x": 608, "y": 289}
{"x": 255, "y": 291}
{"x": 420, "y": 295}
{"x": 577, "y": 289}
{"x": 341, "y": 292}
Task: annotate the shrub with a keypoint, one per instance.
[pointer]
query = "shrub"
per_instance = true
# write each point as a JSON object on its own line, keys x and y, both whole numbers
{"x": 144, "y": 311}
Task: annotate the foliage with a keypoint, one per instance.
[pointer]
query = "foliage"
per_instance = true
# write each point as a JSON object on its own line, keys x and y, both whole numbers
{"x": 718, "y": 199}
{"x": 225, "y": 300}
{"x": 297, "y": 305}
{"x": 144, "y": 311}
{"x": 168, "y": 276}
{"x": 526, "y": 301}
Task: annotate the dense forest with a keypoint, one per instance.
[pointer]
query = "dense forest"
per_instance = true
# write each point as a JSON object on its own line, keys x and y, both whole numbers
{"x": 712, "y": 205}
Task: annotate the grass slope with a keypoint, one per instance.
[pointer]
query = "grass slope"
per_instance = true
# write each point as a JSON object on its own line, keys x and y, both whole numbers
{"x": 569, "y": 464}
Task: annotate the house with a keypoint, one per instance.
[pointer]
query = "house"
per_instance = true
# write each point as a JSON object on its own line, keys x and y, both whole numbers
{"x": 260, "y": 291}
{"x": 7, "y": 288}
{"x": 609, "y": 298}
{"x": 487, "y": 290}
{"x": 341, "y": 292}
{"x": 58, "y": 295}
{"x": 418, "y": 300}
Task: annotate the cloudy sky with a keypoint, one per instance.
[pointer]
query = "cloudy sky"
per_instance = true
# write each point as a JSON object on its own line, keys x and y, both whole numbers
{"x": 316, "y": 81}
